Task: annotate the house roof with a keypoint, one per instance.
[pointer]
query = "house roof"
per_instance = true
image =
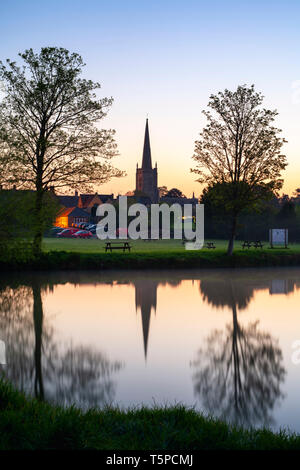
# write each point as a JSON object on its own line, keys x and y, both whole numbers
{"x": 105, "y": 197}
{"x": 179, "y": 200}
{"x": 68, "y": 201}
{"x": 86, "y": 199}
{"x": 73, "y": 212}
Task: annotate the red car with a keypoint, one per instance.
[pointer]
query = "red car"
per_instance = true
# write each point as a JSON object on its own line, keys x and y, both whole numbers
{"x": 82, "y": 234}
{"x": 67, "y": 233}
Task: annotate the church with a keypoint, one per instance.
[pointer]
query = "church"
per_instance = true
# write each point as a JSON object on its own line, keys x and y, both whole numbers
{"x": 146, "y": 180}
{"x": 146, "y": 177}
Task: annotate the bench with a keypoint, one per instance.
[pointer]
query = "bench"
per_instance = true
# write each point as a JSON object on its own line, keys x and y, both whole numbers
{"x": 209, "y": 245}
{"x": 246, "y": 244}
{"x": 109, "y": 246}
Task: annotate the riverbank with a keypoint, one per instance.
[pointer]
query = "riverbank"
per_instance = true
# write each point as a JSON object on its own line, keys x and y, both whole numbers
{"x": 63, "y": 260}
{"x": 26, "y": 423}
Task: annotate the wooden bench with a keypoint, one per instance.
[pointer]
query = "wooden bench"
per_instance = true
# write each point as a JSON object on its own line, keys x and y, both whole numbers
{"x": 258, "y": 244}
{"x": 109, "y": 246}
{"x": 246, "y": 244}
{"x": 209, "y": 245}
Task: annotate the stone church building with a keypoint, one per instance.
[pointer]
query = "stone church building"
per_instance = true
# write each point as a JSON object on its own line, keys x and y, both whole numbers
{"x": 146, "y": 177}
{"x": 146, "y": 180}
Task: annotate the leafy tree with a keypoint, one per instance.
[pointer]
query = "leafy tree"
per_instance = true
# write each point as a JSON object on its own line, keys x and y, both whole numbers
{"x": 48, "y": 127}
{"x": 17, "y": 214}
{"x": 162, "y": 191}
{"x": 217, "y": 201}
{"x": 174, "y": 192}
{"x": 239, "y": 149}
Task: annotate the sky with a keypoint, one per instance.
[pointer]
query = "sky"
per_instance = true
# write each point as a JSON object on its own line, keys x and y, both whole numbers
{"x": 163, "y": 59}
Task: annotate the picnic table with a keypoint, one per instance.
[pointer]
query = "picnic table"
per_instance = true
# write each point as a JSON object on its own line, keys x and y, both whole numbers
{"x": 109, "y": 246}
{"x": 246, "y": 244}
{"x": 209, "y": 245}
{"x": 255, "y": 244}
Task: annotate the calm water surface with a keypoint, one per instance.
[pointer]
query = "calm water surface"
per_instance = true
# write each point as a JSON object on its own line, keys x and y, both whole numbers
{"x": 220, "y": 340}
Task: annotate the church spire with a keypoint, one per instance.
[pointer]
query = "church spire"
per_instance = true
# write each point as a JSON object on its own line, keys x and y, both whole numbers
{"x": 147, "y": 163}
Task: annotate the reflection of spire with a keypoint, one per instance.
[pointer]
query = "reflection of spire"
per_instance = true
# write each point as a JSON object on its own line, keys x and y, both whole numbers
{"x": 145, "y": 299}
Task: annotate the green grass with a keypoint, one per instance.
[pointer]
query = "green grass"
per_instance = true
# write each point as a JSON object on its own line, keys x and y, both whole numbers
{"x": 169, "y": 254}
{"x": 95, "y": 245}
{"x": 26, "y": 423}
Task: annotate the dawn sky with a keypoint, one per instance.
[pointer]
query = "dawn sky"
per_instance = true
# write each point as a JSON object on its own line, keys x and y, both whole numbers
{"x": 164, "y": 58}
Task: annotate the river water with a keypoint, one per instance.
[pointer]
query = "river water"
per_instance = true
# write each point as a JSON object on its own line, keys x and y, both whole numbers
{"x": 226, "y": 342}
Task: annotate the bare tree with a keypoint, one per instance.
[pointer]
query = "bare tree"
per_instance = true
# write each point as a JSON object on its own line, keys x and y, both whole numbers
{"x": 48, "y": 127}
{"x": 239, "y": 151}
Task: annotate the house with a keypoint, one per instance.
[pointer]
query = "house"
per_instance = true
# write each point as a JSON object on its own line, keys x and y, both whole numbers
{"x": 86, "y": 205}
{"x": 71, "y": 215}
{"x": 90, "y": 203}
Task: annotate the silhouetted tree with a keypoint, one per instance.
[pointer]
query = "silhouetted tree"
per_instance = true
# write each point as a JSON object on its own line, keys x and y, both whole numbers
{"x": 239, "y": 150}
{"x": 48, "y": 133}
{"x": 175, "y": 192}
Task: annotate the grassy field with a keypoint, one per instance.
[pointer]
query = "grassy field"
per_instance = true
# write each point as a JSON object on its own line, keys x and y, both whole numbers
{"x": 70, "y": 254}
{"x": 26, "y": 423}
{"x": 95, "y": 245}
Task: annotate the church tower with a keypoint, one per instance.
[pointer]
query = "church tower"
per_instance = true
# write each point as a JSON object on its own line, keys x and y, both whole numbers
{"x": 146, "y": 177}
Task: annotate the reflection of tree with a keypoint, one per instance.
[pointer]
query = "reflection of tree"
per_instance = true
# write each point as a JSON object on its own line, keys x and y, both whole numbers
{"x": 38, "y": 333}
{"x": 238, "y": 374}
{"x": 227, "y": 292}
{"x": 37, "y": 364}
{"x": 83, "y": 377}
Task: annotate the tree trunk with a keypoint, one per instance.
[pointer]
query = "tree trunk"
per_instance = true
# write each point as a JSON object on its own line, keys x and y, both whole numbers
{"x": 38, "y": 230}
{"x": 232, "y": 235}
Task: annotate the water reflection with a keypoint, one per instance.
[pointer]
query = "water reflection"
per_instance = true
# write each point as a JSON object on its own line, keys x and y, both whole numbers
{"x": 39, "y": 364}
{"x": 239, "y": 372}
{"x": 145, "y": 300}
{"x": 177, "y": 321}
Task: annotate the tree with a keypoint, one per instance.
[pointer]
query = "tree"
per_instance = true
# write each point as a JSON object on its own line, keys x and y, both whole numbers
{"x": 239, "y": 149}
{"x": 162, "y": 191}
{"x": 255, "y": 219}
{"x": 48, "y": 127}
{"x": 174, "y": 192}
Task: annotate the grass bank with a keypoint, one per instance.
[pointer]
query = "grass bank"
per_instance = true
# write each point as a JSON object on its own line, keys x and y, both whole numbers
{"x": 63, "y": 260}
{"x": 167, "y": 254}
{"x": 26, "y": 423}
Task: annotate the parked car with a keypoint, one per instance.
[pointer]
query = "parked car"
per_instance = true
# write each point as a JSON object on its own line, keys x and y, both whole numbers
{"x": 82, "y": 234}
{"x": 89, "y": 226}
{"x": 53, "y": 231}
{"x": 67, "y": 233}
